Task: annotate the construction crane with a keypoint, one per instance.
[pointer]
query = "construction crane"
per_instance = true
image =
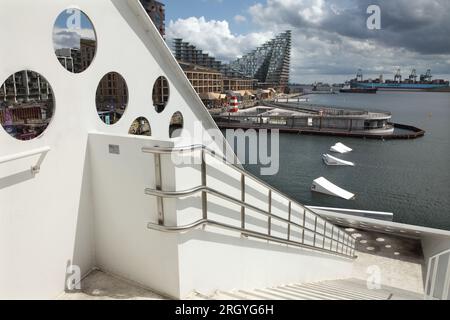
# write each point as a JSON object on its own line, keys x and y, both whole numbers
{"x": 413, "y": 75}
{"x": 398, "y": 76}
{"x": 426, "y": 77}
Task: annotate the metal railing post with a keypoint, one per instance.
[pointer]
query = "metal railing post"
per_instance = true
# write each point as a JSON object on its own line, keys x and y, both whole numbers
{"x": 315, "y": 231}
{"x": 270, "y": 212}
{"x": 332, "y": 238}
{"x": 304, "y": 223}
{"x": 243, "y": 200}
{"x": 204, "y": 194}
{"x": 290, "y": 219}
{"x": 158, "y": 182}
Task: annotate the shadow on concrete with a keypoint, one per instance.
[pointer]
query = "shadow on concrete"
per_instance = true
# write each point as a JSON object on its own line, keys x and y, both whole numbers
{"x": 16, "y": 178}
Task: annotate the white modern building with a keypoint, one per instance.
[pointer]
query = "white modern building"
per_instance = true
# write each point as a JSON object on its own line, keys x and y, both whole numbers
{"x": 167, "y": 213}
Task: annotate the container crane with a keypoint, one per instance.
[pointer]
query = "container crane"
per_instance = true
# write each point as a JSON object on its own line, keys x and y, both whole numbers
{"x": 398, "y": 76}
{"x": 426, "y": 77}
{"x": 413, "y": 76}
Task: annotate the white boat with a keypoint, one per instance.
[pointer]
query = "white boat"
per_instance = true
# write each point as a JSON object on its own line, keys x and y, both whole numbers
{"x": 333, "y": 161}
{"x": 340, "y": 148}
{"x": 324, "y": 186}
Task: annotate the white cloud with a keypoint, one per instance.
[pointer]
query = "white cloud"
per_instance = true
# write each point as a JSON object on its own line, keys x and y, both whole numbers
{"x": 215, "y": 37}
{"x": 240, "y": 19}
{"x": 327, "y": 43}
{"x": 65, "y": 38}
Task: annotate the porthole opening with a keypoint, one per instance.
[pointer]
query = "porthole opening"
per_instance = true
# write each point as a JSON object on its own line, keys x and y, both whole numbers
{"x": 74, "y": 40}
{"x": 140, "y": 127}
{"x": 26, "y": 105}
{"x": 161, "y": 92}
{"x": 176, "y": 125}
{"x": 111, "y": 98}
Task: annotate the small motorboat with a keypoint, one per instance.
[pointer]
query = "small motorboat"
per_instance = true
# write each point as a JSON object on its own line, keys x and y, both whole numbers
{"x": 322, "y": 185}
{"x": 340, "y": 148}
{"x": 333, "y": 161}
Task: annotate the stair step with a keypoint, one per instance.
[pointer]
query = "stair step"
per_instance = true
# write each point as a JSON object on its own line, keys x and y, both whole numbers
{"x": 319, "y": 293}
{"x": 356, "y": 293}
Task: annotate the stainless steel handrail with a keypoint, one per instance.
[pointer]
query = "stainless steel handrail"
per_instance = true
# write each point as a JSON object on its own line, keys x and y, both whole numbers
{"x": 190, "y": 192}
{"x": 347, "y": 241}
{"x": 195, "y": 147}
{"x": 245, "y": 232}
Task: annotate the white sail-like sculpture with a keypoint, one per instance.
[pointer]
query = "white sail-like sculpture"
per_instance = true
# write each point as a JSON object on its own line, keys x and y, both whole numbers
{"x": 333, "y": 161}
{"x": 324, "y": 186}
{"x": 340, "y": 148}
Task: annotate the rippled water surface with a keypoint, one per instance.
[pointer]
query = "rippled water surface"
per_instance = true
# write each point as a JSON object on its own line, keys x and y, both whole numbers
{"x": 410, "y": 178}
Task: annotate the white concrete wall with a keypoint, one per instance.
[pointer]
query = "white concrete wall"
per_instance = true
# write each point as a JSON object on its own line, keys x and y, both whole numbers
{"x": 46, "y": 221}
{"x": 123, "y": 244}
{"x": 211, "y": 260}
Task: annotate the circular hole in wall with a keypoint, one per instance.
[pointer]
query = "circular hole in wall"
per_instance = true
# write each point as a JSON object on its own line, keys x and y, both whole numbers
{"x": 111, "y": 98}
{"x": 74, "y": 40}
{"x": 140, "y": 127}
{"x": 26, "y": 105}
{"x": 161, "y": 92}
{"x": 176, "y": 125}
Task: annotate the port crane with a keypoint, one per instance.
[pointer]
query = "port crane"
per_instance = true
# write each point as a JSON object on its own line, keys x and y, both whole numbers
{"x": 413, "y": 76}
{"x": 426, "y": 77}
{"x": 398, "y": 76}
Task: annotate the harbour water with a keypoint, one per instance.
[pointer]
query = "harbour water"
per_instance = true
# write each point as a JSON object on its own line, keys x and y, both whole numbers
{"x": 410, "y": 178}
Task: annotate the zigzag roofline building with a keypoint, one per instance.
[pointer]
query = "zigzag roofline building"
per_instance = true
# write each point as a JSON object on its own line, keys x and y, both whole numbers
{"x": 268, "y": 65}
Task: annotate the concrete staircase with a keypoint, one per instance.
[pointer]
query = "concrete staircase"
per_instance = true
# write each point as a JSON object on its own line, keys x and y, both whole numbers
{"x": 348, "y": 289}
{"x": 101, "y": 286}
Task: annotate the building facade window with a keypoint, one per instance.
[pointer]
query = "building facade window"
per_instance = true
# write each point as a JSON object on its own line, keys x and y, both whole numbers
{"x": 26, "y": 105}
{"x": 110, "y": 101}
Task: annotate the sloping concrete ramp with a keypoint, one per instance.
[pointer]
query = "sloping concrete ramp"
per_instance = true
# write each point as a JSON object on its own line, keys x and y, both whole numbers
{"x": 333, "y": 161}
{"x": 324, "y": 186}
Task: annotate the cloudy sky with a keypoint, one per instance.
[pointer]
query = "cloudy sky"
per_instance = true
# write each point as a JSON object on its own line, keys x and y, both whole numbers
{"x": 67, "y": 32}
{"x": 331, "y": 40}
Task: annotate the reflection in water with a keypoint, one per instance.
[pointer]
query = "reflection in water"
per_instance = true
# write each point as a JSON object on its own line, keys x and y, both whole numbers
{"x": 74, "y": 40}
{"x": 26, "y": 105}
{"x": 141, "y": 127}
{"x": 111, "y": 98}
{"x": 176, "y": 125}
{"x": 160, "y": 94}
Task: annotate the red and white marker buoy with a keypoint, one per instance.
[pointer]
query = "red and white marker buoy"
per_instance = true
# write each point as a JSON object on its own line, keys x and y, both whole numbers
{"x": 234, "y": 104}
